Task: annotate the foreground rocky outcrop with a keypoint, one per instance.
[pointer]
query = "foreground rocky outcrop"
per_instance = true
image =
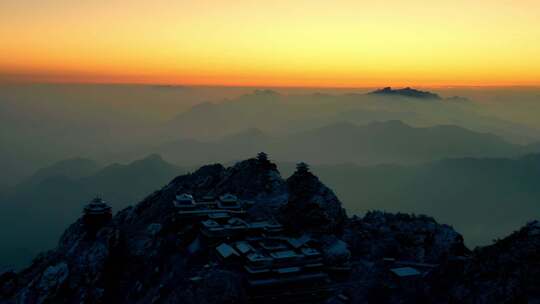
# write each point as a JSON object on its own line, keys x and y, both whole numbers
{"x": 506, "y": 272}
{"x": 403, "y": 236}
{"x": 148, "y": 254}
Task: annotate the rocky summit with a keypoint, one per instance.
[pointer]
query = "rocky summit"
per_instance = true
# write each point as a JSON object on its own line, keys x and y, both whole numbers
{"x": 406, "y": 92}
{"x": 243, "y": 234}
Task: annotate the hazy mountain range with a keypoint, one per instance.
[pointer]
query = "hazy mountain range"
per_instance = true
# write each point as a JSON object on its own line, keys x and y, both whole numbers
{"x": 276, "y": 114}
{"x": 384, "y": 150}
{"x": 148, "y": 252}
{"x": 36, "y": 211}
{"x": 374, "y": 143}
{"x": 483, "y": 198}
{"x": 44, "y": 124}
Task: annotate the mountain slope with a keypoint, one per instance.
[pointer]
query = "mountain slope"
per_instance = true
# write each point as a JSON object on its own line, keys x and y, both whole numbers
{"x": 484, "y": 198}
{"x": 152, "y": 253}
{"x": 148, "y": 252}
{"x": 505, "y": 272}
{"x": 390, "y": 142}
{"x": 71, "y": 168}
{"x": 278, "y": 114}
{"x": 374, "y": 143}
{"x": 34, "y": 213}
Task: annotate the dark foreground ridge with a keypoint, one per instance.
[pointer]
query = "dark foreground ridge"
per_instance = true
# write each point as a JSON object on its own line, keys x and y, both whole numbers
{"x": 245, "y": 235}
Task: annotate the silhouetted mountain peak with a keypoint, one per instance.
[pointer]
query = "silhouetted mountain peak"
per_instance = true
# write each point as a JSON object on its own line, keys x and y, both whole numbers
{"x": 73, "y": 168}
{"x": 153, "y": 165}
{"x": 406, "y": 92}
{"x": 157, "y": 252}
{"x": 253, "y": 178}
{"x": 150, "y": 159}
{"x": 312, "y": 206}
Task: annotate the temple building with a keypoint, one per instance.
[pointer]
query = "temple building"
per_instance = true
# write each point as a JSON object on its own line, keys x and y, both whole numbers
{"x": 207, "y": 207}
{"x": 221, "y": 226}
{"x": 272, "y": 265}
{"x": 97, "y": 212}
{"x": 184, "y": 201}
{"x": 229, "y": 201}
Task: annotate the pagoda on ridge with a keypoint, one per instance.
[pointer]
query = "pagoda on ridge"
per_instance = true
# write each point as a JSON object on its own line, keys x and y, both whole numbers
{"x": 97, "y": 212}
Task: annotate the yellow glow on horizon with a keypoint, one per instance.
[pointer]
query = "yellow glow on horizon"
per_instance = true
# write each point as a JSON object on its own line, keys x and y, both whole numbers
{"x": 289, "y": 43}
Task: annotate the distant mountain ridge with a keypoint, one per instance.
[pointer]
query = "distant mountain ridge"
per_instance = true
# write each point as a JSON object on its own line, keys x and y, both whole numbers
{"x": 53, "y": 197}
{"x": 484, "y": 198}
{"x": 47, "y": 125}
{"x": 373, "y": 143}
{"x": 278, "y": 114}
{"x": 71, "y": 168}
{"x": 406, "y": 92}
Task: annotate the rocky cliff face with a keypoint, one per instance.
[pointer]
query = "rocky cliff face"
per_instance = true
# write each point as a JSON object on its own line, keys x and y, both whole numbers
{"x": 506, "y": 272}
{"x": 147, "y": 254}
{"x": 404, "y": 237}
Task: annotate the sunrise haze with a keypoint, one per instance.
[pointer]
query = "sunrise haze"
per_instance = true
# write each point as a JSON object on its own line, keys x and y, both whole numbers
{"x": 283, "y": 43}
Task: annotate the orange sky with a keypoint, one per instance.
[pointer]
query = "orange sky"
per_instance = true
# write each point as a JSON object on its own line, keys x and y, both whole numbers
{"x": 341, "y": 43}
